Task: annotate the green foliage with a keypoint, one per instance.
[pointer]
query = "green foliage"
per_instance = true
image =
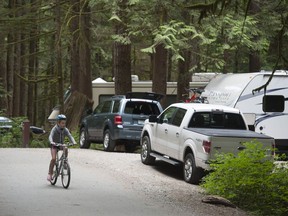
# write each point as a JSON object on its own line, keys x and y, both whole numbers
{"x": 13, "y": 136}
{"x": 39, "y": 141}
{"x": 175, "y": 36}
{"x": 250, "y": 181}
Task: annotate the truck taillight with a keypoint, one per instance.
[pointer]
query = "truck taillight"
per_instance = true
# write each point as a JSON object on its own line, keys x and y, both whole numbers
{"x": 118, "y": 120}
{"x": 207, "y": 146}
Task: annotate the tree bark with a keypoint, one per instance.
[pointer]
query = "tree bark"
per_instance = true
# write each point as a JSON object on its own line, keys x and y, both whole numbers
{"x": 160, "y": 67}
{"x": 75, "y": 108}
{"x": 3, "y": 75}
{"x": 122, "y": 55}
{"x": 160, "y": 60}
{"x": 80, "y": 53}
{"x": 184, "y": 76}
{"x": 80, "y": 48}
{"x": 58, "y": 49}
{"x": 85, "y": 52}
{"x": 254, "y": 55}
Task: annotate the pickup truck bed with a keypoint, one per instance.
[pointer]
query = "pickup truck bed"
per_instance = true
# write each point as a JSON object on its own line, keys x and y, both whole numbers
{"x": 229, "y": 133}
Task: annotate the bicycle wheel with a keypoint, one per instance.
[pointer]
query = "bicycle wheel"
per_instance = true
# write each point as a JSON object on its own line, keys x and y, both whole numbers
{"x": 55, "y": 174}
{"x": 66, "y": 174}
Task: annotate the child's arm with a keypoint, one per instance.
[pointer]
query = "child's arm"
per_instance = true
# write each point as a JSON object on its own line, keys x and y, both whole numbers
{"x": 71, "y": 138}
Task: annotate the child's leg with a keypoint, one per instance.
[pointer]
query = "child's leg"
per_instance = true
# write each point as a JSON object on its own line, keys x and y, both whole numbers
{"x": 53, "y": 160}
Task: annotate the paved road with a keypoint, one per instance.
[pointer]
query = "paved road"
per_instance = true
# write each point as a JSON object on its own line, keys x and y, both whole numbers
{"x": 102, "y": 184}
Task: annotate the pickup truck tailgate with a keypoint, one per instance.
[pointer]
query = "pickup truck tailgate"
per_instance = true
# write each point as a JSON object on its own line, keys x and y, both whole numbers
{"x": 227, "y": 140}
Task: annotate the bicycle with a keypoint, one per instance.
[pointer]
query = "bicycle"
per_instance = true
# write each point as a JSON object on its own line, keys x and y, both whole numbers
{"x": 62, "y": 167}
{"x": 196, "y": 96}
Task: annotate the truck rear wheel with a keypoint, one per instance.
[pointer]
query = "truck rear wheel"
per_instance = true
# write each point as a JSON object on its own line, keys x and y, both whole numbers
{"x": 146, "y": 158}
{"x": 192, "y": 174}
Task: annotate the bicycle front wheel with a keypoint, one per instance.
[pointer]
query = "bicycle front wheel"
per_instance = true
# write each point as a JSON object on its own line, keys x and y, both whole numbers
{"x": 55, "y": 174}
{"x": 66, "y": 174}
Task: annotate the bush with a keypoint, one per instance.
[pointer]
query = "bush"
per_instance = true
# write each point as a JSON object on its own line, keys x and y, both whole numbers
{"x": 250, "y": 181}
{"x": 13, "y": 137}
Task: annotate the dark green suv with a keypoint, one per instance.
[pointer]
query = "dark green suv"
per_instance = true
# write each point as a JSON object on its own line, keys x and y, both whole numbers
{"x": 119, "y": 120}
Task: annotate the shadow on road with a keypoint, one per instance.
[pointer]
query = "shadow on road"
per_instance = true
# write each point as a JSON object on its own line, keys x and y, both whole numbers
{"x": 169, "y": 169}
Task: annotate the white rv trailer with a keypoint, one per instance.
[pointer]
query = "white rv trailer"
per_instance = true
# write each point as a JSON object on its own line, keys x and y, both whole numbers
{"x": 104, "y": 90}
{"x": 235, "y": 90}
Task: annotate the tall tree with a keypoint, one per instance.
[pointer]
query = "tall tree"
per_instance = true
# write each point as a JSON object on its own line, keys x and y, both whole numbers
{"x": 160, "y": 59}
{"x": 80, "y": 48}
{"x": 122, "y": 50}
{"x": 254, "y": 55}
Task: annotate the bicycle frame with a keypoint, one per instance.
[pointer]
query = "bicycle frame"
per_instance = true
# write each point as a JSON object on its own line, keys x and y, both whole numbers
{"x": 59, "y": 168}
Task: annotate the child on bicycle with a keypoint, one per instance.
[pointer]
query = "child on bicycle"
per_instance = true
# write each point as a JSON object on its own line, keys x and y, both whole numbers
{"x": 57, "y": 135}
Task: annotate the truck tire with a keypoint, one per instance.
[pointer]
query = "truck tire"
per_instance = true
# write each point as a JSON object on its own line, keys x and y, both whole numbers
{"x": 83, "y": 140}
{"x": 146, "y": 158}
{"x": 192, "y": 174}
{"x": 108, "y": 143}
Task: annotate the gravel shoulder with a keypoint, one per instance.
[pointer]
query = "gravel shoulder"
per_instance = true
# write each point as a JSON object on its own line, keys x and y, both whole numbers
{"x": 160, "y": 182}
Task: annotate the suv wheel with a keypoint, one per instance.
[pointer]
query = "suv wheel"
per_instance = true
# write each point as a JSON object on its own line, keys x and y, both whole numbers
{"x": 146, "y": 158}
{"x": 192, "y": 174}
{"x": 83, "y": 141}
{"x": 108, "y": 143}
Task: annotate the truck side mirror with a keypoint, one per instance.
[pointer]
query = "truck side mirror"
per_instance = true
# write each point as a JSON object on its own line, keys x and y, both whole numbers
{"x": 153, "y": 118}
{"x": 273, "y": 103}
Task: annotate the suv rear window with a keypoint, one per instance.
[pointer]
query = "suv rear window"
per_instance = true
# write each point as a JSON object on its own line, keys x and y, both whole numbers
{"x": 141, "y": 108}
{"x": 217, "y": 120}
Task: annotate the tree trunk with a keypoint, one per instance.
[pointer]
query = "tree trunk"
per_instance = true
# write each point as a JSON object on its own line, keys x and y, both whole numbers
{"x": 10, "y": 72}
{"x": 254, "y": 56}
{"x": 81, "y": 83}
{"x": 23, "y": 85}
{"x": 85, "y": 52}
{"x": 183, "y": 76}
{"x": 122, "y": 55}
{"x": 58, "y": 49}
{"x": 32, "y": 70}
{"x": 80, "y": 48}
{"x": 75, "y": 108}
{"x": 160, "y": 60}
{"x": 122, "y": 67}
{"x": 74, "y": 49}
{"x": 160, "y": 67}
{"x": 3, "y": 75}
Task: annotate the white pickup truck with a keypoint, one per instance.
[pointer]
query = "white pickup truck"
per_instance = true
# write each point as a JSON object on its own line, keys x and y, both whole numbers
{"x": 190, "y": 134}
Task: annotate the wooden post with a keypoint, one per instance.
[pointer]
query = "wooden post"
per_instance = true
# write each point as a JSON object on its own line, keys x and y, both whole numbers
{"x": 26, "y": 133}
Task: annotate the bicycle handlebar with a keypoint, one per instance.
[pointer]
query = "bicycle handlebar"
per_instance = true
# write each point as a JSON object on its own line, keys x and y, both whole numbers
{"x": 63, "y": 144}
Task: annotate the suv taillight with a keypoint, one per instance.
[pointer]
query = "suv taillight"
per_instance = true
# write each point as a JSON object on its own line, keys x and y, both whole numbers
{"x": 207, "y": 146}
{"x": 118, "y": 120}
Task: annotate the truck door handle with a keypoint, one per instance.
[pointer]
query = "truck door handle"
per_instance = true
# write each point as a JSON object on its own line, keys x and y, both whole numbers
{"x": 240, "y": 148}
{"x": 166, "y": 131}
{"x": 177, "y": 134}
